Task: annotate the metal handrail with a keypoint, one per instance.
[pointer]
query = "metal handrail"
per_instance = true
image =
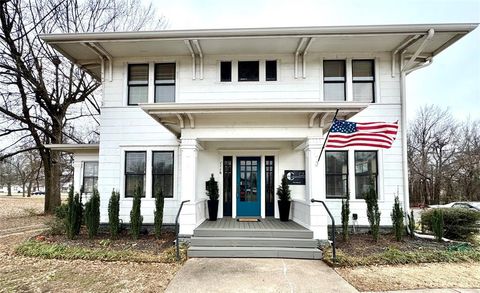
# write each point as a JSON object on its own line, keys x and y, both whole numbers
{"x": 176, "y": 229}
{"x": 334, "y": 253}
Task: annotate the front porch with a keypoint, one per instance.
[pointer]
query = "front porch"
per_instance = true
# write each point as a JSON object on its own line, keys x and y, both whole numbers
{"x": 227, "y": 237}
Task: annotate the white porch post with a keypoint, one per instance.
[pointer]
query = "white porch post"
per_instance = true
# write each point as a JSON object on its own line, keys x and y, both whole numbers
{"x": 187, "y": 182}
{"x": 315, "y": 187}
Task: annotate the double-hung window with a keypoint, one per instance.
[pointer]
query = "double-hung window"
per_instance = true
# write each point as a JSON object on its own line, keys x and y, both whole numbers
{"x": 90, "y": 177}
{"x": 365, "y": 172}
{"x": 334, "y": 80}
{"x": 135, "y": 163}
{"x": 137, "y": 84}
{"x": 162, "y": 173}
{"x": 363, "y": 78}
{"x": 336, "y": 169}
{"x": 164, "y": 82}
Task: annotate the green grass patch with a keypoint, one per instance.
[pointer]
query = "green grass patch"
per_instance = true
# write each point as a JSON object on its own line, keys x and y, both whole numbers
{"x": 61, "y": 251}
{"x": 393, "y": 256}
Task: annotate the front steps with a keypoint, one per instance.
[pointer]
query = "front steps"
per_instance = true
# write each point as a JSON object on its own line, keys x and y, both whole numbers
{"x": 261, "y": 243}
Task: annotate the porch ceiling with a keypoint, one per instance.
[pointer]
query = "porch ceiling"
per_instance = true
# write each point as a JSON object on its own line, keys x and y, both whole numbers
{"x": 178, "y": 116}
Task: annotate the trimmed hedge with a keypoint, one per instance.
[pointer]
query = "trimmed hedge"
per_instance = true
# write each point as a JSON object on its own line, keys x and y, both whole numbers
{"x": 458, "y": 223}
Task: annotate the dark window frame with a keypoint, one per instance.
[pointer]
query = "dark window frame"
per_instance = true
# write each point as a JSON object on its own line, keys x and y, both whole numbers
{"x": 163, "y": 174}
{"x": 221, "y": 71}
{"x": 336, "y": 174}
{"x": 134, "y": 174}
{"x": 248, "y": 80}
{"x": 336, "y": 81}
{"x": 276, "y": 70}
{"x": 160, "y": 83}
{"x": 136, "y": 84}
{"x": 369, "y": 175}
{"x": 365, "y": 81}
{"x": 94, "y": 178}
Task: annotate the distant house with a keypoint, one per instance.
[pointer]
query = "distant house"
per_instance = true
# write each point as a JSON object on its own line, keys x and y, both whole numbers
{"x": 247, "y": 105}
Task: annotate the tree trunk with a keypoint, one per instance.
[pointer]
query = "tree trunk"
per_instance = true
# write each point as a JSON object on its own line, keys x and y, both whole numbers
{"x": 29, "y": 189}
{"x": 23, "y": 189}
{"x": 9, "y": 189}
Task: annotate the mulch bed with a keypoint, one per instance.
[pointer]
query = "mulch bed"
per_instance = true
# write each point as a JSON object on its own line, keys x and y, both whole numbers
{"x": 363, "y": 244}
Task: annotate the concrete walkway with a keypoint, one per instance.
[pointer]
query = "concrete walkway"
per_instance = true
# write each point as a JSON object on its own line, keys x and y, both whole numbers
{"x": 446, "y": 290}
{"x": 257, "y": 275}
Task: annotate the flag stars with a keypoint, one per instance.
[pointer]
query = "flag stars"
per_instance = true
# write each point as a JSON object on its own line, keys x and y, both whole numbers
{"x": 344, "y": 126}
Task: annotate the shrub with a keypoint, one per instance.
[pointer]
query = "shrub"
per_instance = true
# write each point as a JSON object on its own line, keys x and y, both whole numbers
{"x": 73, "y": 220}
{"x": 92, "y": 214}
{"x": 158, "y": 214}
{"x": 136, "y": 218}
{"x": 437, "y": 224}
{"x": 397, "y": 219}
{"x": 283, "y": 191}
{"x": 61, "y": 211}
{"x": 345, "y": 218}
{"x": 458, "y": 223}
{"x": 411, "y": 224}
{"x": 373, "y": 214}
{"x": 113, "y": 214}
{"x": 212, "y": 188}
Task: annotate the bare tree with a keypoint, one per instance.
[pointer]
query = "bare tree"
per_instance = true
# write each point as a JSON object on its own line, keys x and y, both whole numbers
{"x": 39, "y": 86}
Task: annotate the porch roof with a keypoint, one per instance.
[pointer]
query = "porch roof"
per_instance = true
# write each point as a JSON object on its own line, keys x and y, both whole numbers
{"x": 74, "y": 148}
{"x": 177, "y": 116}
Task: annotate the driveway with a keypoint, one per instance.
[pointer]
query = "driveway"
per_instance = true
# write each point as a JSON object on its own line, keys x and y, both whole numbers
{"x": 257, "y": 275}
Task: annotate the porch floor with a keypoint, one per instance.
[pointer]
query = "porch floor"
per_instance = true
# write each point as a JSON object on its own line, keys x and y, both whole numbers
{"x": 268, "y": 223}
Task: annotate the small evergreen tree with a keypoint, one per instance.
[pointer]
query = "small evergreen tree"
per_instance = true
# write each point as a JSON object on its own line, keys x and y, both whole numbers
{"x": 437, "y": 224}
{"x": 373, "y": 214}
{"x": 136, "y": 218}
{"x": 212, "y": 188}
{"x": 92, "y": 214}
{"x": 345, "y": 217}
{"x": 283, "y": 191}
{"x": 158, "y": 214}
{"x": 73, "y": 219}
{"x": 397, "y": 219}
{"x": 411, "y": 224}
{"x": 113, "y": 214}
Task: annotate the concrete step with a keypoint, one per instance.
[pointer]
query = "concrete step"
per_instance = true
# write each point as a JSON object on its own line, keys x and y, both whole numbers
{"x": 255, "y": 252}
{"x": 253, "y": 233}
{"x": 253, "y": 242}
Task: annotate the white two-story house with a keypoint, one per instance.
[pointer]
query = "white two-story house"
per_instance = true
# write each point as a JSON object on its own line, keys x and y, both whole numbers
{"x": 248, "y": 105}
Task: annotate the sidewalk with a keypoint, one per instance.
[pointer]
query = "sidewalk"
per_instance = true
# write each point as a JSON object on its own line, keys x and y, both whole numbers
{"x": 257, "y": 275}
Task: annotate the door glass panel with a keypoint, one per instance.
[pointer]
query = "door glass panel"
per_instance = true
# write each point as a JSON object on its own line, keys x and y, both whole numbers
{"x": 248, "y": 180}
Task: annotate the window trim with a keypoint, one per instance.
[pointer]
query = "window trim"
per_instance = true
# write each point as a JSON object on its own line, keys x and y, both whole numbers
{"x": 172, "y": 174}
{"x": 337, "y": 174}
{"x": 93, "y": 177}
{"x": 376, "y": 174}
{"x": 155, "y": 84}
{"x": 373, "y": 81}
{"x": 238, "y": 70}
{"x": 335, "y": 81}
{"x": 134, "y": 174}
{"x": 147, "y": 84}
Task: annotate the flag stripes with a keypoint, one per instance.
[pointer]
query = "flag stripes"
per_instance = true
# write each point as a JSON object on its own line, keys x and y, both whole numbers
{"x": 370, "y": 134}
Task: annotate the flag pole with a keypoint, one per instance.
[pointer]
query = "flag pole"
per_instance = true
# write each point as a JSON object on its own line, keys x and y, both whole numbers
{"x": 326, "y": 138}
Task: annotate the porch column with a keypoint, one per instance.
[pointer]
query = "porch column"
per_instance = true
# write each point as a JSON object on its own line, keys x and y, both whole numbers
{"x": 315, "y": 186}
{"x": 187, "y": 184}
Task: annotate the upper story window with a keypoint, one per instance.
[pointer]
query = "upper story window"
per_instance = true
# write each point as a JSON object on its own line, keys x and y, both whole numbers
{"x": 365, "y": 172}
{"x": 137, "y": 84}
{"x": 164, "y": 82}
{"x": 363, "y": 77}
{"x": 271, "y": 70}
{"x": 248, "y": 70}
{"x": 226, "y": 71}
{"x": 336, "y": 170}
{"x": 135, "y": 163}
{"x": 334, "y": 80}
{"x": 162, "y": 173}
{"x": 90, "y": 176}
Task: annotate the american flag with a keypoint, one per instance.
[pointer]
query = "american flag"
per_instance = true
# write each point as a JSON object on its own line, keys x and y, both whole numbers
{"x": 368, "y": 134}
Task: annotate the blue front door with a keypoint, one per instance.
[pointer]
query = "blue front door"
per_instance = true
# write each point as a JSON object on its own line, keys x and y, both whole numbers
{"x": 248, "y": 187}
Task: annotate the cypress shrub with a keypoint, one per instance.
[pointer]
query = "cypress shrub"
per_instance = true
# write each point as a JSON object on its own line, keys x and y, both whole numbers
{"x": 113, "y": 214}
{"x": 458, "y": 223}
{"x": 92, "y": 214}
{"x": 158, "y": 214}
{"x": 397, "y": 219}
{"x": 73, "y": 219}
{"x": 437, "y": 224}
{"x": 411, "y": 224}
{"x": 373, "y": 214}
{"x": 136, "y": 218}
{"x": 345, "y": 218}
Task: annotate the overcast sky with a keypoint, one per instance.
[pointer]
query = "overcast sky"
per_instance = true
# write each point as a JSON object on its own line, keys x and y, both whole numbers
{"x": 453, "y": 80}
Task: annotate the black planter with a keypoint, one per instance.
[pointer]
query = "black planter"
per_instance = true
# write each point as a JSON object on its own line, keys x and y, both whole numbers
{"x": 284, "y": 208}
{"x": 212, "y": 209}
